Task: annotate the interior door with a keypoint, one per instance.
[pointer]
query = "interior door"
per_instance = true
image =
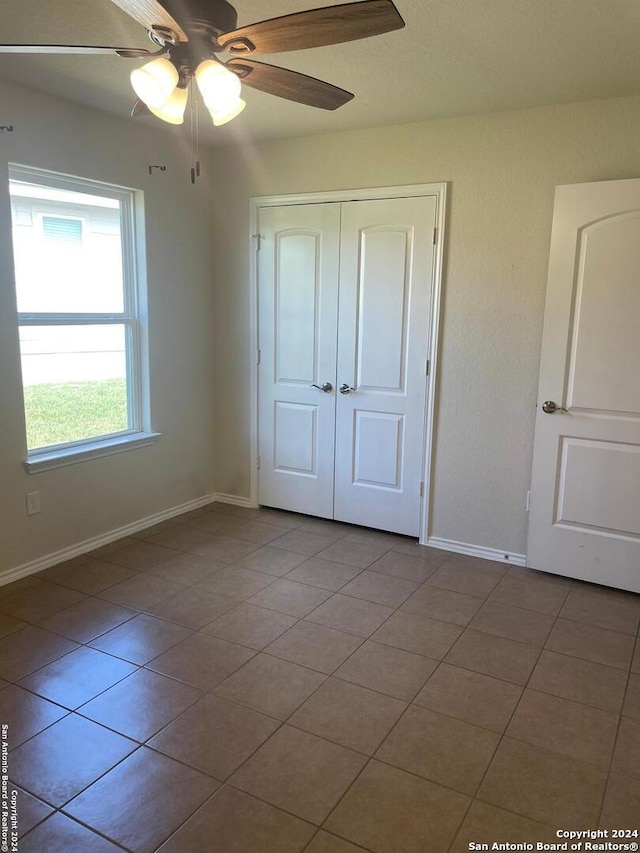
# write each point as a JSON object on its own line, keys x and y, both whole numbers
{"x": 297, "y": 316}
{"x": 387, "y": 251}
{"x": 585, "y": 495}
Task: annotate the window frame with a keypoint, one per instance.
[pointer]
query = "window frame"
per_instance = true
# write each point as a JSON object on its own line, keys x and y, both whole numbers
{"x": 133, "y": 319}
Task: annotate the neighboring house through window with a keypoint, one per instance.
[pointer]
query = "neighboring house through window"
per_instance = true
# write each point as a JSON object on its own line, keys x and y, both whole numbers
{"x": 81, "y": 314}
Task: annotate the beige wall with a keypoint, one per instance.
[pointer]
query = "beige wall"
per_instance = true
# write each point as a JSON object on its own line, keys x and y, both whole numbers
{"x": 91, "y": 498}
{"x": 502, "y": 170}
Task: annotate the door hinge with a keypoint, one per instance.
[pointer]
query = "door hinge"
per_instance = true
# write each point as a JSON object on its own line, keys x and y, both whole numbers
{"x": 427, "y": 368}
{"x": 258, "y": 238}
{"x": 435, "y": 236}
{"x": 258, "y": 357}
{"x": 528, "y": 500}
{"x": 422, "y": 489}
{"x": 258, "y": 463}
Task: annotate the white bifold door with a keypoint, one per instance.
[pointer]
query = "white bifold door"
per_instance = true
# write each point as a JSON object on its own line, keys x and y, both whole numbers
{"x": 585, "y": 499}
{"x": 344, "y": 295}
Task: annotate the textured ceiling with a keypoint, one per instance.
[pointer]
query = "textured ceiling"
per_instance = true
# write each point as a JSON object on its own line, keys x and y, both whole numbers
{"x": 455, "y": 57}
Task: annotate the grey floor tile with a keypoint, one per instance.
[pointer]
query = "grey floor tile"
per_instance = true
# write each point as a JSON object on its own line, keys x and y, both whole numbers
{"x": 300, "y": 773}
{"x": 494, "y": 656}
{"x": 443, "y": 604}
{"x": 349, "y": 715}
{"x": 513, "y": 623}
{"x": 287, "y": 596}
{"x": 238, "y": 821}
{"x": 272, "y": 560}
{"x": 214, "y": 736}
{"x": 274, "y": 687}
{"x": 350, "y": 614}
{"x": 603, "y": 607}
{"x": 387, "y": 669}
{"x": 579, "y": 680}
{"x": 250, "y": 626}
{"x": 143, "y": 800}
{"x": 439, "y": 748}
{"x": 418, "y": 634}
{"x": 324, "y": 574}
{"x": 626, "y": 758}
{"x": 380, "y": 588}
{"x": 374, "y": 812}
{"x": 315, "y": 646}
{"x": 568, "y": 728}
{"x": 470, "y": 696}
{"x": 589, "y": 642}
{"x": 544, "y": 786}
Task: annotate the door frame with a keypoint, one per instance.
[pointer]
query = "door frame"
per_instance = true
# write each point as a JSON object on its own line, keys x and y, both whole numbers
{"x": 439, "y": 192}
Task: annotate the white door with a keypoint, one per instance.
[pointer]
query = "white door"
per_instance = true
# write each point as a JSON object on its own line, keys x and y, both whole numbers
{"x": 585, "y": 499}
{"x": 344, "y": 295}
{"x": 383, "y": 343}
{"x": 298, "y": 307}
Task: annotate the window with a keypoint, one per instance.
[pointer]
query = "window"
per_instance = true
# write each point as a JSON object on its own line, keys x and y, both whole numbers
{"x": 81, "y": 317}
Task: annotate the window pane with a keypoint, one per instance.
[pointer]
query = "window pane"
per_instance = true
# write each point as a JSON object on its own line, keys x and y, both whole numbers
{"x": 67, "y": 250}
{"x": 75, "y": 383}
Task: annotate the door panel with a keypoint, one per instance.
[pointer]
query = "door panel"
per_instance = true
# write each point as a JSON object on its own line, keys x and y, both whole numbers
{"x": 616, "y": 468}
{"x": 585, "y": 494}
{"x": 296, "y": 436}
{"x": 298, "y": 300}
{"x": 378, "y": 439}
{"x": 297, "y": 297}
{"x": 384, "y": 306}
{"x": 606, "y": 337}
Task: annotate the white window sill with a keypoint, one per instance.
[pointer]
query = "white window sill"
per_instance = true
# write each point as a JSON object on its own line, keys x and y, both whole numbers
{"x": 82, "y": 453}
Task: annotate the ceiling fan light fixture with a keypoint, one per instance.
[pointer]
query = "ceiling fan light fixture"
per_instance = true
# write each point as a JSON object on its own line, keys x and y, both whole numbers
{"x": 155, "y": 82}
{"x": 219, "y": 87}
{"x": 234, "y": 109}
{"x": 172, "y": 111}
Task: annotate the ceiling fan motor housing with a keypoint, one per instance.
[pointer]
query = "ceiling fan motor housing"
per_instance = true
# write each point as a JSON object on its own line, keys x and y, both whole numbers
{"x": 203, "y": 15}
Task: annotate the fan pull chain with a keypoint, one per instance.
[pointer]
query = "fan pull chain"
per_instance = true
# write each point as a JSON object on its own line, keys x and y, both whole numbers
{"x": 195, "y": 131}
{"x": 192, "y": 114}
{"x": 197, "y": 111}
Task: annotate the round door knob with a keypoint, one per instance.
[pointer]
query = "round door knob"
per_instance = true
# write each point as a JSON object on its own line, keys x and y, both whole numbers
{"x": 549, "y": 407}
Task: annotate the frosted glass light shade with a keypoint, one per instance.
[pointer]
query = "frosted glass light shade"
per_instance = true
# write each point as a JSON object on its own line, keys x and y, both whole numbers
{"x": 155, "y": 82}
{"x": 220, "y": 88}
{"x": 234, "y": 109}
{"x": 173, "y": 109}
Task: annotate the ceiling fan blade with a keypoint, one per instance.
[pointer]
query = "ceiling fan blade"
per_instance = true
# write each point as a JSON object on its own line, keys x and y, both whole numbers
{"x": 315, "y": 28}
{"x": 74, "y": 48}
{"x": 151, "y": 13}
{"x": 289, "y": 84}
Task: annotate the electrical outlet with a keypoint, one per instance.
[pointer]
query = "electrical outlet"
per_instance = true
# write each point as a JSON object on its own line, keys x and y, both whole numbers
{"x": 33, "y": 503}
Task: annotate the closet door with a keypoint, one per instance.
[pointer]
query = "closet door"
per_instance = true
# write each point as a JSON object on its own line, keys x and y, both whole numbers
{"x": 386, "y": 264}
{"x": 297, "y": 314}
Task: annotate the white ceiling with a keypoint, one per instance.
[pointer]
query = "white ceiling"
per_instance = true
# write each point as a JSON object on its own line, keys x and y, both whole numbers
{"x": 455, "y": 57}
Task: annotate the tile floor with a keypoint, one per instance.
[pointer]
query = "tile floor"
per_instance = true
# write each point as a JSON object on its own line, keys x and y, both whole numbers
{"x": 262, "y": 682}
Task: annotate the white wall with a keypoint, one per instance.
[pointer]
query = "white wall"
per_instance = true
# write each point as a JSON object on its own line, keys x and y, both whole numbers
{"x": 91, "y": 498}
{"x": 503, "y": 169}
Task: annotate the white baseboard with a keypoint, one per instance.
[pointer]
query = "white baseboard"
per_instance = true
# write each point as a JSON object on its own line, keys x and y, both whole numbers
{"x": 235, "y": 500}
{"x": 477, "y": 551}
{"x": 41, "y": 563}
{"x": 87, "y": 545}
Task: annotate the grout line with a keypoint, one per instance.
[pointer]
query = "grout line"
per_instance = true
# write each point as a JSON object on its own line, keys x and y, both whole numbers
{"x": 500, "y": 742}
{"x": 614, "y": 746}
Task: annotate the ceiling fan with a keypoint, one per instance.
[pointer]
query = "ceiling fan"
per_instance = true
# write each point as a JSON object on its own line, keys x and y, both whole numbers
{"x": 191, "y": 34}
